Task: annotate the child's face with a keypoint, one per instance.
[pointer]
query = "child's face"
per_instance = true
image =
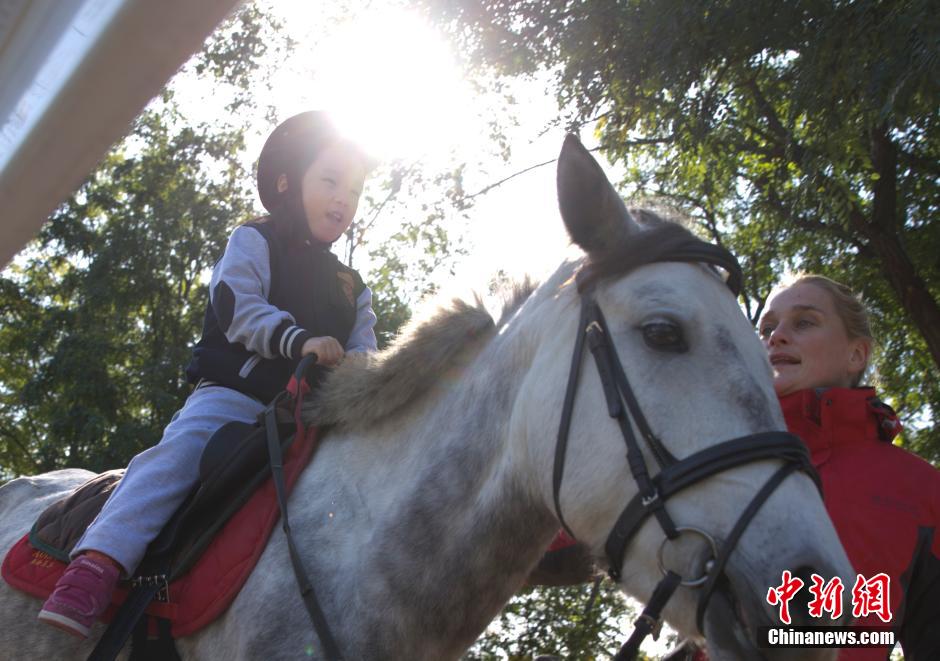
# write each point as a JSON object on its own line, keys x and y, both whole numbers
{"x": 330, "y": 191}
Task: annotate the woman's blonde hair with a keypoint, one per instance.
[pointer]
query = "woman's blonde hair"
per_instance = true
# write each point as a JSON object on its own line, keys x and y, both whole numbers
{"x": 848, "y": 306}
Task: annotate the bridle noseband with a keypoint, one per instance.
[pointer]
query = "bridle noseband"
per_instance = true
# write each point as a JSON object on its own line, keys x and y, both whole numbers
{"x": 674, "y": 475}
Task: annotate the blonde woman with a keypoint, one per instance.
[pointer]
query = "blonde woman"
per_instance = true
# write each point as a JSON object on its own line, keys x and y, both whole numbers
{"x": 883, "y": 500}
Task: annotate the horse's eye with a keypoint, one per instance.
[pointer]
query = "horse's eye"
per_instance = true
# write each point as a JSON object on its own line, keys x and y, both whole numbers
{"x": 664, "y": 336}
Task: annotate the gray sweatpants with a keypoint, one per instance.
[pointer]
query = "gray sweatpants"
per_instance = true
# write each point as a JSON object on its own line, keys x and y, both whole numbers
{"x": 158, "y": 480}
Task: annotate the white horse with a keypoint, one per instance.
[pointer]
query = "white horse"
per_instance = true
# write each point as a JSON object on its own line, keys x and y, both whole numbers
{"x": 430, "y": 499}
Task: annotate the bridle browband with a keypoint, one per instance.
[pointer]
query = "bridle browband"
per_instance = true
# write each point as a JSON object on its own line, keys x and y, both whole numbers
{"x": 674, "y": 475}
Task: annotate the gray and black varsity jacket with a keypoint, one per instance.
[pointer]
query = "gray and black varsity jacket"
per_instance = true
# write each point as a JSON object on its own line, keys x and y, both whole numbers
{"x": 275, "y": 287}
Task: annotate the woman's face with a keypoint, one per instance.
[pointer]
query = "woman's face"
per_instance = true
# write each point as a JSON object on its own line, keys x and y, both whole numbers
{"x": 330, "y": 191}
{"x": 807, "y": 342}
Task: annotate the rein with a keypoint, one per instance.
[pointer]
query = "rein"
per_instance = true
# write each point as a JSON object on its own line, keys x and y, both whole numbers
{"x": 296, "y": 390}
{"x": 674, "y": 475}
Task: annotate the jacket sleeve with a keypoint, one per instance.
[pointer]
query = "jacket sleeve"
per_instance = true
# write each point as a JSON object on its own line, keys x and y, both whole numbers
{"x": 919, "y": 635}
{"x": 241, "y": 283}
{"x": 362, "y": 337}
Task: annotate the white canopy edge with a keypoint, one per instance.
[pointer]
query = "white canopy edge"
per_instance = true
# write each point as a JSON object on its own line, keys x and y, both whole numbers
{"x": 73, "y": 76}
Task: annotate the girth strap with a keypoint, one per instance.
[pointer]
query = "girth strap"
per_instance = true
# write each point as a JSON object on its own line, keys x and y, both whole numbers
{"x": 144, "y": 648}
{"x": 130, "y": 612}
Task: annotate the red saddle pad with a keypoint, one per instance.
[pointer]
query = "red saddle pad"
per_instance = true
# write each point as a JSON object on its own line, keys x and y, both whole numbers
{"x": 201, "y": 595}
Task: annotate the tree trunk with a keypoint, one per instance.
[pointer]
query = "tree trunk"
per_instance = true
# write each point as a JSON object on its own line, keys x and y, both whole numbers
{"x": 910, "y": 288}
{"x": 882, "y": 235}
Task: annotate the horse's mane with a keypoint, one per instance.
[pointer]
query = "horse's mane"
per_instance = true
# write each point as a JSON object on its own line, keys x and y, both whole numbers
{"x": 365, "y": 388}
{"x": 515, "y": 294}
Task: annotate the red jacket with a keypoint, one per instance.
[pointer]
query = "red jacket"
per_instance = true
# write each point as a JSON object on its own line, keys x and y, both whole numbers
{"x": 885, "y": 505}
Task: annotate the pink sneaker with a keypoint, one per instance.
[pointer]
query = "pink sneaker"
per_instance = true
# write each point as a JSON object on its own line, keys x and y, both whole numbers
{"x": 81, "y": 595}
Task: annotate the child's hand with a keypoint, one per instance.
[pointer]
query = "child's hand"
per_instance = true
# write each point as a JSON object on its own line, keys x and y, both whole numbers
{"x": 329, "y": 351}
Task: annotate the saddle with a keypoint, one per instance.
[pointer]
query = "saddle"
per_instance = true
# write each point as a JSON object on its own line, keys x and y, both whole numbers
{"x": 232, "y": 467}
{"x": 199, "y": 562}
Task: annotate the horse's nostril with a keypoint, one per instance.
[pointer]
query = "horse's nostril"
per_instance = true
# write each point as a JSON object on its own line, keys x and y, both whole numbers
{"x": 799, "y": 607}
{"x": 805, "y": 574}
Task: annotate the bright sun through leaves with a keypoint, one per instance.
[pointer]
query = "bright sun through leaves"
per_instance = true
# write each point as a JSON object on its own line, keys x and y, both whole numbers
{"x": 391, "y": 82}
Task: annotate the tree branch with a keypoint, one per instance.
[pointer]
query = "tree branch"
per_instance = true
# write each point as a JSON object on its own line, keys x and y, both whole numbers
{"x": 926, "y": 164}
{"x": 14, "y": 438}
{"x": 488, "y": 188}
{"x": 621, "y": 145}
{"x": 804, "y": 222}
{"x": 397, "y": 178}
{"x": 767, "y": 110}
{"x": 884, "y": 160}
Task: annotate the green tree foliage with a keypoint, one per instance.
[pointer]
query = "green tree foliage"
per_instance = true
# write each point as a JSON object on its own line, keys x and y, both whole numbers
{"x": 98, "y": 318}
{"x": 407, "y": 261}
{"x": 804, "y": 135}
{"x": 558, "y": 621}
{"x": 234, "y": 52}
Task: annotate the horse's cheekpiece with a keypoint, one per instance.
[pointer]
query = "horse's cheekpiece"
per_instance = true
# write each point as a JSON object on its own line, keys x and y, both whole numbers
{"x": 674, "y": 475}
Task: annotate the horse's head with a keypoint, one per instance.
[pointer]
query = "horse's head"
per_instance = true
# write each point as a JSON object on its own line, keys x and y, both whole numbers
{"x": 652, "y": 301}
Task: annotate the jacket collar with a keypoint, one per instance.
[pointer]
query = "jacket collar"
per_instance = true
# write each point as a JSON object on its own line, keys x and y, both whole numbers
{"x": 838, "y": 416}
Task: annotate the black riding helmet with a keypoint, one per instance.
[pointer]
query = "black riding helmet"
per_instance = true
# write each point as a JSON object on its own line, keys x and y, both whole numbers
{"x": 291, "y": 148}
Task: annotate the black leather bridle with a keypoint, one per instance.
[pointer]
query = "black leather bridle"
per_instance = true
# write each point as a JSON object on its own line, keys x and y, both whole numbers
{"x": 674, "y": 475}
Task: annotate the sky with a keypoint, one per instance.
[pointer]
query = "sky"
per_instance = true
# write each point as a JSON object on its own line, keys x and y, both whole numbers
{"x": 394, "y": 83}
{"x": 411, "y": 102}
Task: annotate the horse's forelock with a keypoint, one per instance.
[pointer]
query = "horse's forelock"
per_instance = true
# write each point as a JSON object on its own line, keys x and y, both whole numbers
{"x": 659, "y": 238}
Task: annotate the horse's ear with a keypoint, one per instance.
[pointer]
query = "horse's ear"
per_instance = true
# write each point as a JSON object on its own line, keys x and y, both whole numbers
{"x": 594, "y": 214}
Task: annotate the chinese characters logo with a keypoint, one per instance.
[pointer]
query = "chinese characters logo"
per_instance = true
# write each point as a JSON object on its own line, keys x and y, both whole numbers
{"x": 869, "y": 596}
